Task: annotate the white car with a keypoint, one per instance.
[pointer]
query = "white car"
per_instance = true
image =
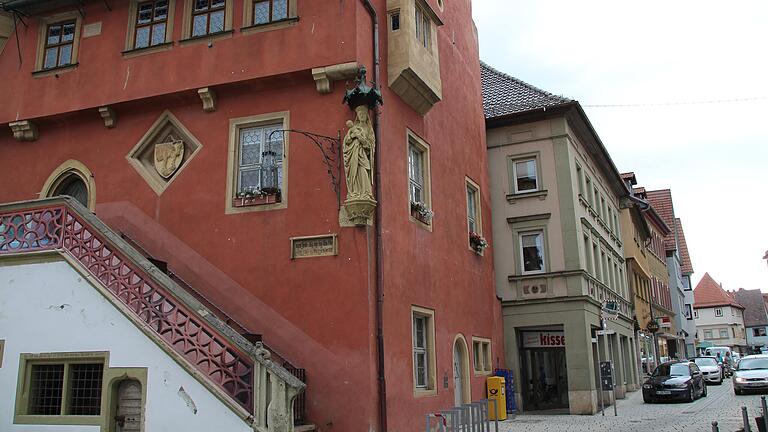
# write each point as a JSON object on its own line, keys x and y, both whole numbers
{"x": 713, "y": 374}
{"x": 751, "y": 374}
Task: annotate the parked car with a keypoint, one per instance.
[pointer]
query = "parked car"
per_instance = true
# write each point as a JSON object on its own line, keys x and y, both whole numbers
{"x": 710, "y": 369}
{"x": 675, "y": 380}
{"x": 751, "y": 374}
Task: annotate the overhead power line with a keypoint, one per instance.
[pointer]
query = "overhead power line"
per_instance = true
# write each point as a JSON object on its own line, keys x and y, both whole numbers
{"x": 658, "y": 104}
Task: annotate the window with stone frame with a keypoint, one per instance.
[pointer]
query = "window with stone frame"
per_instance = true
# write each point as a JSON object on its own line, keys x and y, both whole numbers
{"x": 423, "y": 348}
{"x": 59, "y": 44}
{"x": 708, "y": 334}
{"x": 532, "y": 252}
{"x": 758, "y": 331}
{"x": 260, "y": 160}
{"x": 416, "y": 174}
{"x": 63, "y": 388}
{"x": 473, "y": 213}
{"x": 151, "y": 24}
{"x": 718, "y": 312}
{"x": 208, "y": 17}
{"x": 723, "y": 333}
{"x": 481, "y": 349}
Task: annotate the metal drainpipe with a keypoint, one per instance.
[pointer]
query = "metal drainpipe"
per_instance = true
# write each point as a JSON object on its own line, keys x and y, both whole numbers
{"x": 379, "y": 247}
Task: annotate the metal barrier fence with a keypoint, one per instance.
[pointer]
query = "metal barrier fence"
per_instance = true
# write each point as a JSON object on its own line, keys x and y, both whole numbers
{"x": 471, "y": 417}
{"x": 761, "y": 421}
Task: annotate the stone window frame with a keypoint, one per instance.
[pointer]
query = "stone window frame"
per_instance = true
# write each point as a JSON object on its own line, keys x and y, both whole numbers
{"x": 130, "y": 49}
{"x": 720, "y": 310}
{"x": 470, "y": 184}
{"x": 414, "y": 140}
{"x": 431, "y": 387}
{"x": 186, "y": 29}
{"x": 235, "y": 125}
{"x": 482, "y": 356}
{"x": 545, "y": 263}
{"x": 248, "y": 25}
{"x": 111, "y": 377}
{"x": 43, "y": 24}
{"x": 524, "y": 225}
{"x": 71, "y": 167}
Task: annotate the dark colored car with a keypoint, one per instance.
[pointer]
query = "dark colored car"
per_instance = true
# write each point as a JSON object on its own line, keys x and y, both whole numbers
{"x": 675, "y": 381}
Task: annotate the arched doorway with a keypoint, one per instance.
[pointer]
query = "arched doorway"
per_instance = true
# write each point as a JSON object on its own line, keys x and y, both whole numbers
{"x": 74, "y": 179}
{"x": 460, "y": 371}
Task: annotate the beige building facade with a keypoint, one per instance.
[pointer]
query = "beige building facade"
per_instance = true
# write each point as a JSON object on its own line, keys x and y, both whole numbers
{"x": 558, "y": 252}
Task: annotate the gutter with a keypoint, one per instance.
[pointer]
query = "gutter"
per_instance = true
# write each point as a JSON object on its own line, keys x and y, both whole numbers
{"x": 382, "y": 387}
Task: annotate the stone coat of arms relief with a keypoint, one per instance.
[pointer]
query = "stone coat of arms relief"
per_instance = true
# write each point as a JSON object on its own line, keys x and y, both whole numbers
{"x": 168, "y": 156}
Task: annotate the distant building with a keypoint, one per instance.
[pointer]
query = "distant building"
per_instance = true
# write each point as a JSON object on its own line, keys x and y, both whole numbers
{"x": 558, "y": 256}
{"x": 719, "y": 317}
{"x": 686, "y": 268}
{"x": 661, "y": 200}
{"x": 755, "y": 317}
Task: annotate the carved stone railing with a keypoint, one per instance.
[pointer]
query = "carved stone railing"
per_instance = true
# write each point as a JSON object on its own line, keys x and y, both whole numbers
{"x": 243, "y": 372}
{"x": 600, "y": 292}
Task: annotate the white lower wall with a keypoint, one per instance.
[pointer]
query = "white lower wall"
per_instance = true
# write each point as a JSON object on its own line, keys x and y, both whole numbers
{"x": 49, "y": 307}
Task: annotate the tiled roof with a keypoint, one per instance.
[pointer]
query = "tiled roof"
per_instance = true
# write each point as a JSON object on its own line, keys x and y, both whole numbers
{"x": 661, "y": 200}
{"x": 504, "y": 95}
{"x": 709, "y": 293}
{"x": 754, "y": 312}
{"x": 685, "y": 258}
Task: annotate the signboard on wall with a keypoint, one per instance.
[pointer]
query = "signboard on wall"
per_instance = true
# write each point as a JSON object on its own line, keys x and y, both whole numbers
{"x": 543, "y": 339}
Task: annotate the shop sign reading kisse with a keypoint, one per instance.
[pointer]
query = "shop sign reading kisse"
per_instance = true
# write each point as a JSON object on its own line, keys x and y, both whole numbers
{"x": 544, "y": 339}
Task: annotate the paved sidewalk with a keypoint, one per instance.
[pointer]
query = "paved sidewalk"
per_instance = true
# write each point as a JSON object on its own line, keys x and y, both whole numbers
{"x": 720, "y": 405}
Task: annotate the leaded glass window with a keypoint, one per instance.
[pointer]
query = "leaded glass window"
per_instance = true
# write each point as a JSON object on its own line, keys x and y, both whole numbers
{"x": 65, "y": 389}
{"x": 420, "y": 351}
{"x": 532, "y": 251}
{"x": 266, "y": 11}
{"x": 416, "y": 173}
{"x": 59, "y": 44}
{"x": 151, "y": 23}
{"x": 254, "y": 144}
{"x": 208, "y": 17}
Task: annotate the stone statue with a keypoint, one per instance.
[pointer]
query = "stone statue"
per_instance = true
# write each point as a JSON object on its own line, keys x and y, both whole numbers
{"x": 359, "y": 148}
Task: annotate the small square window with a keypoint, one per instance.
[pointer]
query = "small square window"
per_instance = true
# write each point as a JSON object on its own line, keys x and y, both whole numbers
{"x": 525, "y": 176}
{"x": 69, "y": 389}
{"x": 695, "y": 314}
{"x": 707, "y": 334}
{"x": 758, "y": 331}
{"x": 723, "y": 333}
{"x": 481, "y": 349}
{"x": 718, "y": 312}
{"x": 532, "y": 252}
{"x": 394, "y": 19}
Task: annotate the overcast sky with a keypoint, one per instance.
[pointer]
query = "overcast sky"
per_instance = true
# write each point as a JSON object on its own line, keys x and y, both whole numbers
{"x": 714, "y": 156}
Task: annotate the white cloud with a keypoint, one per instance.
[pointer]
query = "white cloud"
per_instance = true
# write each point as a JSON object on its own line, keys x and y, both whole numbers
{"x": 714, "y": 157}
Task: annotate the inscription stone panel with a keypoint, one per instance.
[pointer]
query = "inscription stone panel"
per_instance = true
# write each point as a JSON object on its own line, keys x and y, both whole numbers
{"x": 314, "y": 246}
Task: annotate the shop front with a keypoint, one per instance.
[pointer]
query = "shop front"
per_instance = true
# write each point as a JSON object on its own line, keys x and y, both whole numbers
{"x": 543, "y": 369}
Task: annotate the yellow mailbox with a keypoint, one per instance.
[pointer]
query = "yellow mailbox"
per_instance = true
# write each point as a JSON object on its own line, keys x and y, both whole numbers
{"x": 496, "y": 392}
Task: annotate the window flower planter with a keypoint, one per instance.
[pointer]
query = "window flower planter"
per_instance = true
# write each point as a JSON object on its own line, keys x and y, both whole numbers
{"x": 477, "y": 242}
{"x": 262, "y": 197}
{"x": 421, "y": 212}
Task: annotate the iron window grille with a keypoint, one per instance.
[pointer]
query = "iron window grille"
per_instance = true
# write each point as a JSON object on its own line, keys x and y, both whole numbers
{"x": 208, "y": 17}
{"x": 266, "y": 11}
{"x": 65, "y": 389}
{"x": 59, "y": 44}
{"x": 151, "y": 23}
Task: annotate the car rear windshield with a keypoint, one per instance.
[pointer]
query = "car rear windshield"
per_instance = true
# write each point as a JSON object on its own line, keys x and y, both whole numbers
{"x": 674, "y": 369}
{"x": 754, "y": 363}
{"x": 705, "y": 362}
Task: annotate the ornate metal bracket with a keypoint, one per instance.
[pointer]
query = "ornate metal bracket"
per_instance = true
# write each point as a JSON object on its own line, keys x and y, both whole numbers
{"x": 330, "y": 148}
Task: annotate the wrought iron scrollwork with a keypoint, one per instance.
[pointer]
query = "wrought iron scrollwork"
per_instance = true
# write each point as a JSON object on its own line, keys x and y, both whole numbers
{"x": 330, "y": 148}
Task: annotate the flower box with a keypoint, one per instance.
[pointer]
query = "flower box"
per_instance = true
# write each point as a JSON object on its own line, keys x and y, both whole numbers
{"x": 477, "y": 242}
{"x": 257, "y": 199}
{"x": 421, "y": 212}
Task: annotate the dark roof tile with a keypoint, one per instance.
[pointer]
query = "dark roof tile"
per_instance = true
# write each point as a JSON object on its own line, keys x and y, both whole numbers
{"x": 685, "y": 258}
{"x": 755, "y": 312}
{"x": 504, "y": 95}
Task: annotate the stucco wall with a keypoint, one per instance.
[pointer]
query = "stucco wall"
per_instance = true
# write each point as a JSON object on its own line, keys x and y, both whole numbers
{"x": 48, "y": 307}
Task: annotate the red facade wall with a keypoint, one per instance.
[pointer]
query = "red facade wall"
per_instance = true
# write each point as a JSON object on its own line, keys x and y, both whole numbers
{"x": 318, "y": 313}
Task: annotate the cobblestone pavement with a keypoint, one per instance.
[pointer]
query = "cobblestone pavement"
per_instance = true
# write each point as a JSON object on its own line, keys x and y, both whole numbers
{"x": 720, "y": 405}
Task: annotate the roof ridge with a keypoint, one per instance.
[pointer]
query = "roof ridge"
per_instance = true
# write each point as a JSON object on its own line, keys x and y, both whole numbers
{"x": 521, "y": 82}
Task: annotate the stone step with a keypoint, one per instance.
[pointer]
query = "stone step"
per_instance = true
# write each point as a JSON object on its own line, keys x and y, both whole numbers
{"x": 305, "y": 428}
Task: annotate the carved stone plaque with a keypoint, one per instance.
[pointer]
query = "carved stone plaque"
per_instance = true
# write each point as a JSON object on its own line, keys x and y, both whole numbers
{"x": 168, "y": 157}
{"x": 314, "y": 246}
